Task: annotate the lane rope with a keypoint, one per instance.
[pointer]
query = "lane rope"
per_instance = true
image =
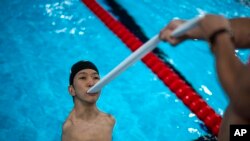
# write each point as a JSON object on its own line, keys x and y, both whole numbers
{"x": 171, "y": 79}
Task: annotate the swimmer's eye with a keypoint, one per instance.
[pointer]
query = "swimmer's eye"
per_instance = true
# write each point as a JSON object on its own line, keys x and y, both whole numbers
{"x": 97, "y": 78}
{"x": 83, "y": 78}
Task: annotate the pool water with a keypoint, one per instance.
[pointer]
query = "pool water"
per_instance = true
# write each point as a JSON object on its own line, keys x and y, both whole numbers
{"x": 40, "y": 40}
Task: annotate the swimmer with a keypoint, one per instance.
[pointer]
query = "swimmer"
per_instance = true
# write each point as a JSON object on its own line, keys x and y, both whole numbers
{"x": 86, "y": 122}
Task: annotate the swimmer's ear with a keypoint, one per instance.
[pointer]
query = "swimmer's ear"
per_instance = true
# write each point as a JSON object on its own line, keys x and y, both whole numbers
{"x": 71, "y": 90}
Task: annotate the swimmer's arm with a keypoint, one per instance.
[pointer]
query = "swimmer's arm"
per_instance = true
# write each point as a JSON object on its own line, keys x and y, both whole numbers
{"x": 241, "y": 32}
{"x": 233, "y": 74}
{"x": 244, "y": 90}
{"x": 240, "y": 29}
{"x": 112, "y": 123}
{"x": 65, "y": 135}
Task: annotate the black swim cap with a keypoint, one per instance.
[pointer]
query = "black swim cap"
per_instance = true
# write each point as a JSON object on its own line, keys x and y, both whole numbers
{"x": 81, "y": 65}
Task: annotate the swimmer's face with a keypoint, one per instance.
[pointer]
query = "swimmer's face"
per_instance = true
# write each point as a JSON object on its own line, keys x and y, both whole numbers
{"x": 82, "y": 82}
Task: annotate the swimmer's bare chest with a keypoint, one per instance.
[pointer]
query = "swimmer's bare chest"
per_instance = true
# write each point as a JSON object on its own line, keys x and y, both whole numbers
{"x": 96, "y": 131}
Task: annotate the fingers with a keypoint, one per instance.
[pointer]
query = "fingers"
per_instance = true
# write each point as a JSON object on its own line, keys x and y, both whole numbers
{"x": 207, "y": 25}
{"x": 165, "y": 34}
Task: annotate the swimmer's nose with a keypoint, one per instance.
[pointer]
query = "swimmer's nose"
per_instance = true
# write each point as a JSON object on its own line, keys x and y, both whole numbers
{"x": 91, "y": 82}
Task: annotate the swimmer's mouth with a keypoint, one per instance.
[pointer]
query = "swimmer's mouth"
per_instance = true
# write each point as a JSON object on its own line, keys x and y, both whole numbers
{"x": 92, "y": 94}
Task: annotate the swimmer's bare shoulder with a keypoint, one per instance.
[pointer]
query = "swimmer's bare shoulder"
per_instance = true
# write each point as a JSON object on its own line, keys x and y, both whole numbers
{"x": 66, "y": 135}
{"x": 112, "y": 119}
{"x": 67, "y": 125}
{"x": 108, "y": 118}
{"x": 107, "y": 123}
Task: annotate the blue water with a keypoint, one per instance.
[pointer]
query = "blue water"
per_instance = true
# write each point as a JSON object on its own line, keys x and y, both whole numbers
{"x": 40, "y": 40}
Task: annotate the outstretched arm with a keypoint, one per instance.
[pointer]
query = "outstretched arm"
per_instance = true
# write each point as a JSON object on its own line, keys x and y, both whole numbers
{"x": 241, "y": 32}
{"x": 240, "y": 28}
